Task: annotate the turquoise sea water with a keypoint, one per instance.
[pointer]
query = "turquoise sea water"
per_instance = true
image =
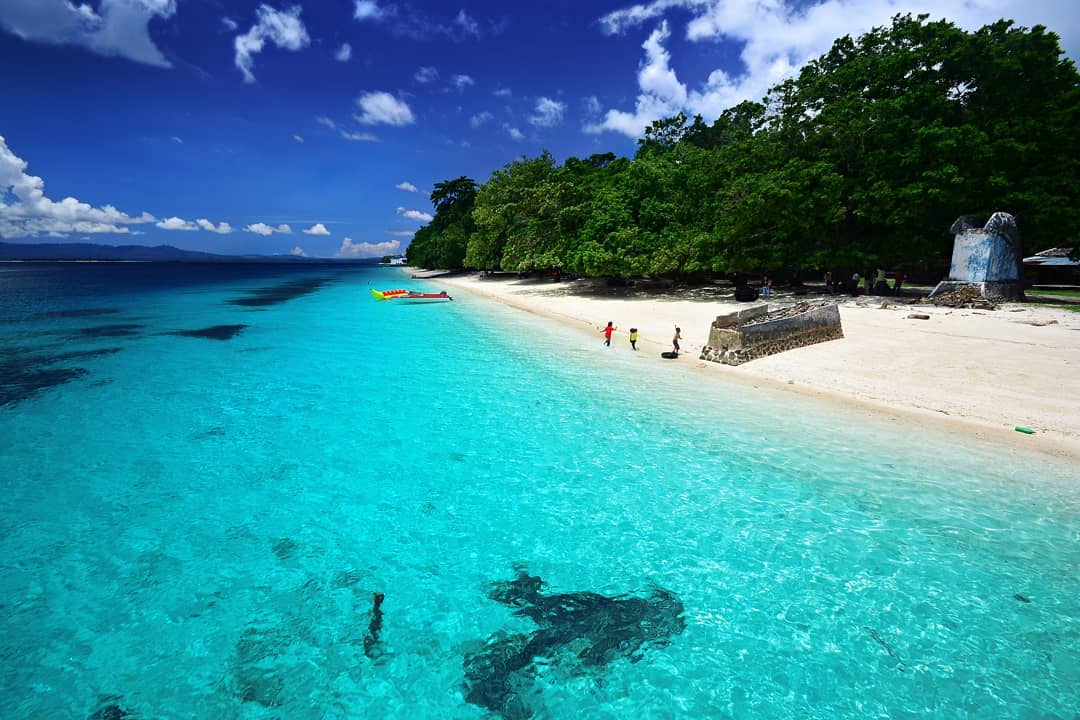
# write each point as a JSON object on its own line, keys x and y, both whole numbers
{"x": 196, "y": 527}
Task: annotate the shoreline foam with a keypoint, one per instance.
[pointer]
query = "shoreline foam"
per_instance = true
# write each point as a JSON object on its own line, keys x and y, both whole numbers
{"x": 970, "y": 373}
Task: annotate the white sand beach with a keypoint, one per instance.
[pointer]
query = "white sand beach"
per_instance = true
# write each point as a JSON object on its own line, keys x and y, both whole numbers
{"x": 974, "y": 372}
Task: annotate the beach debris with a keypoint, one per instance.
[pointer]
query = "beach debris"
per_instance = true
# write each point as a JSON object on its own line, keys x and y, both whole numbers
{"x": 214, "y": 332}
{"x": 756, "y": 332}
{"x": 1037, "y": 323}
{"x": 918, "y": 316}
{"x": 1023, "y": 429}
{"x": 584, "y": 627}
{"x": 371, "y": 640}
{"x": 1021, "y": 598}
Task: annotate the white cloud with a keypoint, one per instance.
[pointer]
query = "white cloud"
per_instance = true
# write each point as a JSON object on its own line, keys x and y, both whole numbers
{"x": 417, "y": 215}
{"x": 266, "y": 230}
{"x": 33, "y": 213}
{"x": 323, "y": 120}
{"x": 591, "y": 105}
{"x": 480, "y": 118}
{"x": 367, "y": 10}
{"x": 349, "y": 249}
{"x": 298, "y": 138}
{"x": 549, "y": 113}
{"x": 401, "y": 233}
{"x": 222, "y": 228}
{"x": 177, "y": 140}
{"x": 778, "y": 37}
{"x": 317, "y": 229}
{"x": 175, "y": 223}
{"x": 298, "y": 251}
{"x": 116, "y": 28}
{"x": 467, "y": 24}
{"x": 283, "y": 28}
{"x": 503, "y": 93}
{"x": 344, "y": 53}
{"x": 382, "y": 107}
{"x": 513, "y": 132}
{"x": 407, "y": 186}
{"x": 426, "y": 75}
{"x": 461, "y": 82}
{"x": 229, "y": 24}
{"x": 359, "y": 136}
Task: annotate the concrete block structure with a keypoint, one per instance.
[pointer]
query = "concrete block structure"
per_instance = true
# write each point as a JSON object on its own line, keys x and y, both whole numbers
{"x": 755, "y": 332}
{"x": 987, "y": 258}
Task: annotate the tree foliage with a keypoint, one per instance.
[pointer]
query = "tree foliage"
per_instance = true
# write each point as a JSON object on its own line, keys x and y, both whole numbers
{"x": 865, "y": 157}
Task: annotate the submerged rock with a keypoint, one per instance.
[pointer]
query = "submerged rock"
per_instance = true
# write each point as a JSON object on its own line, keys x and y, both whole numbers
{"x": 281, "y": 293}
{"x": 596, "y": 629}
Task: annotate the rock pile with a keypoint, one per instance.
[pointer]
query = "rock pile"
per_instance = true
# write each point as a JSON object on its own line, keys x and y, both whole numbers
{"x": 963, "y": 297}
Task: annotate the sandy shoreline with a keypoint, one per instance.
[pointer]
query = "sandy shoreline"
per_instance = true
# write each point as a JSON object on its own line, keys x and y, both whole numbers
{"x": 970, "y": 372}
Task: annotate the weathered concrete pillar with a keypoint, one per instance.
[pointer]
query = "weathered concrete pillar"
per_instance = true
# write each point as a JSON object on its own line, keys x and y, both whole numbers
{"x": 989, "y": 258}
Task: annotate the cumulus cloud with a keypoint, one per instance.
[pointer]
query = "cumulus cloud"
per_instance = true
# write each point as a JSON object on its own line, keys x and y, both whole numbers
{"x": 461, "y": 82}
{"x": 323, "y": 120}
{"x": 266, "y": 230}
{"x": 401, "y": 233}
{"x": 426, "y": 75}
{"x": 349, "y": 249}
{"x": 229, "y": 24}
{"x": 298, "y": 138}
{"x": 359, "y": 136}
{"x": 367, "y": 10}
{"x": 407, "y": 186}
{"x": 33, "y": 213}
{"x": 480, "y": 119}
{"x": 549, "y": 113}
{"x": 417, "y": 215}
{"x": 116, "y": 28}
{"x": 513, "y": 132}
{"x": 467, "y": 24}
{"x": 298, "y": 251}
{"x": 503, "y": 93}
{"x": 382, "y": 107}
{"x": 344, "y": 53}
{"x": 316, "y": 229}
{"x": 177, "y": 140}
{"x": 778, "y": 37}
{"x": 591, "y": 105}
{"x": 175, "y": 223}
{"x": 282, "y": 28}
{"x": 222, "y": 228}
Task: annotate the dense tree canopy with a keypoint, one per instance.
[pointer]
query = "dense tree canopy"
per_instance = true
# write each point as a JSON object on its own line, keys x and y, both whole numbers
{"x": 866, "y": 157}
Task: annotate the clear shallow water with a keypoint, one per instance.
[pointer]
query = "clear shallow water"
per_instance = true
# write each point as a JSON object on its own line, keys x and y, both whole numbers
{"x": 195, "y": 527}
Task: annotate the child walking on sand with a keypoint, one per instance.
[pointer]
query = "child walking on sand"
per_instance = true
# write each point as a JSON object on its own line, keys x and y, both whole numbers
{"x": 675, "y": 340}
{"x": 633, "y": 338}
{"x": 607, "y": 333}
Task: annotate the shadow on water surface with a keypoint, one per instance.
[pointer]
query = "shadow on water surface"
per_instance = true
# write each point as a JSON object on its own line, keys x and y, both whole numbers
{"x": 283, "y": 292}
{"x": 114, "y": 330}
{"x": 594, "y": 628}
{"x": 214, "y": 332}
{"x": 23, "y": 373}
{"x": 77, "y": 313}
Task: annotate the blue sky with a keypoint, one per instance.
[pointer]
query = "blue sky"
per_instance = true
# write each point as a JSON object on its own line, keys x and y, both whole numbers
{"x": 320, "y": 126}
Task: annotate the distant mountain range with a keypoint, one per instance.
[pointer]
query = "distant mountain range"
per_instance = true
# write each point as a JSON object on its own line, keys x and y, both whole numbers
{"x": 144, "y": 253}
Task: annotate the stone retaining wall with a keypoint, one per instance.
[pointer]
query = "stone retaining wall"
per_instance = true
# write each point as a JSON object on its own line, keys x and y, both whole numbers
{"x": 753, "y": 333}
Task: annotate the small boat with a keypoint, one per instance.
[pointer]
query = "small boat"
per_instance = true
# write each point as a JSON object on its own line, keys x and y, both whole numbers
{"x": 419, "y": 297}
{"x": 388, "y": 294}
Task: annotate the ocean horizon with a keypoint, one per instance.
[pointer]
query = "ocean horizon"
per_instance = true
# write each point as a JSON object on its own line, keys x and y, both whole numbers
{"x": 252, "y": 491}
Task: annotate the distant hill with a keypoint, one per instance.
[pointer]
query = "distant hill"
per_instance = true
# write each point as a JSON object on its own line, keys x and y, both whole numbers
{"x": 156, "y": 253}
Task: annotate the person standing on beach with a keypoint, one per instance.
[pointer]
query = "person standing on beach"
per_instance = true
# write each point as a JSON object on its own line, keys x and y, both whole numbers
{"x": 607, "y": 333}
{"x": 675, "y": 340}
{"x": 633, "y": 338}
{"x": 898, "y": 281}
{"x": 766, "y": 286}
